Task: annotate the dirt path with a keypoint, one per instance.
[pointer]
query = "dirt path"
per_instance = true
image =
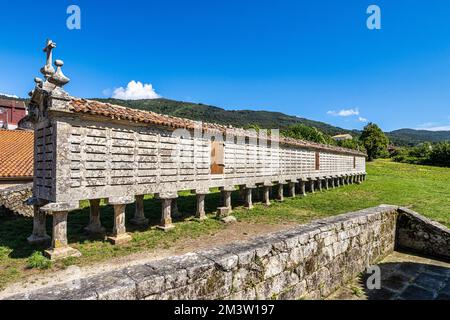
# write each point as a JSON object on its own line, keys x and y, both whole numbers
{"x": 234, "y": 232}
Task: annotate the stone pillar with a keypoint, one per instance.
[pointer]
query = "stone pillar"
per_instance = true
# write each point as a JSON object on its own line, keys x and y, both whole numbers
{"x": 39, "y": 234}
{"x": 266, "y": 198}
{"x": 332, "y": 182}
{"x": 166, "y": 211}
{"x": 200, "y": 214}
{"x": 119, "y": 233}
{"x": 60, "y": 248}
{"x": 319, "y": 184}
{"x": 227, "y": 199}
{"x": 338, "y": 182}
{"x": 248, "y": 198}
{"x": 327, "y": 187}
{"x": 302, "y": 185}
{"x": 139, "y": 216}
{"x": 280, "y": 195}
{"x": 95, "y": 225}
{"x": 311, "y": 185}
{"x": 358, "y": 179}
{"x": 292, "y": 189}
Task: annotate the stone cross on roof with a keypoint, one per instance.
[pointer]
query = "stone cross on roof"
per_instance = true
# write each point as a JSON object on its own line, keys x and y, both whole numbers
{"x": 54, "y": 79}
{"x": 48, "y": 69}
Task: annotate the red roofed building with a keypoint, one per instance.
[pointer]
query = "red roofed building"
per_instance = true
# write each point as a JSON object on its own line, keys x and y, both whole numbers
{"x": 11, "y": 112}
{"x": 16, "y": 157}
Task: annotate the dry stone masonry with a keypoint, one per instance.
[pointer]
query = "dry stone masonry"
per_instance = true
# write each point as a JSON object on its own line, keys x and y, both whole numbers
{"x": 419, "y": 234}
{"x": 308, "y": 261}
{"x": 87, "y": 150}
{"x": 13, "y": 199}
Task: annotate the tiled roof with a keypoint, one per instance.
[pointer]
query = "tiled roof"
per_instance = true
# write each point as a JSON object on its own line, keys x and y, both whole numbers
{"x": 123, "y": 113}
{"x": 16, "y": 154}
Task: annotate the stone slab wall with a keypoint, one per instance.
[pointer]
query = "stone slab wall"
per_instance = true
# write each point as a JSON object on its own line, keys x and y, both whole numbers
{"x": 308, "y": 261}
{"x": 103, "y": 159}
{"x": 419, "y": 234}
{"x": 13, "y": 198}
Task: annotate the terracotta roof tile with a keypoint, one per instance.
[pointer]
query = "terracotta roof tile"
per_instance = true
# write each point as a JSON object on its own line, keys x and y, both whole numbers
{"x": 16, "y": 154}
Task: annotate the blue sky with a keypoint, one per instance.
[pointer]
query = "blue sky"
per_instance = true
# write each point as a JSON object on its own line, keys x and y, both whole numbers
{"x": 314, "y": 59}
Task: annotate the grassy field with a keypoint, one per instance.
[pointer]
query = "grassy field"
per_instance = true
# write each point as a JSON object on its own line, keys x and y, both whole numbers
{"x": 424, "y": 189}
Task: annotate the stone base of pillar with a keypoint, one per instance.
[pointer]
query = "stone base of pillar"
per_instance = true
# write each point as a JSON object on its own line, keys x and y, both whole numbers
{"x": 61, "y": 253}
{"x": 249, "y": 206}
{"x": 223, "y": 212}
{"x": 201, "y": 218}
{"x": 228, "y": 219}
{"x": 119, "y": 239}
{"x": 166, "y": 227}
{"x": 139, "y": 221}
{"x": 37, "y": 240}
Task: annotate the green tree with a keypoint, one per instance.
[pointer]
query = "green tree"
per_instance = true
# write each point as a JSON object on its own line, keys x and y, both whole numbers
{"x": 440, "y": 155}
{"x": 351, "y": 144}
{"x": 374, "y": 140}
{"x": 302, "y": 132}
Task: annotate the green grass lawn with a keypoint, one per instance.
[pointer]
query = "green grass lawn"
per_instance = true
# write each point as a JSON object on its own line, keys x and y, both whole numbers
{"x": 424, "y": 189}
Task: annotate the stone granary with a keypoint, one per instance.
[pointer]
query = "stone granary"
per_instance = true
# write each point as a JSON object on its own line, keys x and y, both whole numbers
{"x": 87, "y": 150}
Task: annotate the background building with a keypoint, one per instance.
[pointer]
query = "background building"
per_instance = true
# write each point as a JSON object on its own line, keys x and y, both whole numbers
{"x": 11, "y": 112}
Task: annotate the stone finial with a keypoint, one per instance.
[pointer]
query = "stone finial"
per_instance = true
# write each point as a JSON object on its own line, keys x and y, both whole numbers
{"x": 48, "y": 69}
{"x": 38, "y": 81}
{"x": 58, "y": 78}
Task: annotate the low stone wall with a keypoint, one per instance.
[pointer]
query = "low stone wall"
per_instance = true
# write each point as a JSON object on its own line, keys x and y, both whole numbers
{"x": 13, "y": 198}
{"x": 419, "y": 234}
{"x": 308, "y": 261}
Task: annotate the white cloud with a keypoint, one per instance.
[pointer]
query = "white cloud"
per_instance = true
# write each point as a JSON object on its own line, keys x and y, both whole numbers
{"x": 9, "y": 95}
{"x": 361, "y": 119}
{"x": 433, "y": 126}
{"x": 135, "y": 91}
{"x": 344, "y": 113}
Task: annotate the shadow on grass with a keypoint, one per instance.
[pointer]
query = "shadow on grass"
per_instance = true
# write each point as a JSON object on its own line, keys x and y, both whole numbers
{"x": 14, "y": 230}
